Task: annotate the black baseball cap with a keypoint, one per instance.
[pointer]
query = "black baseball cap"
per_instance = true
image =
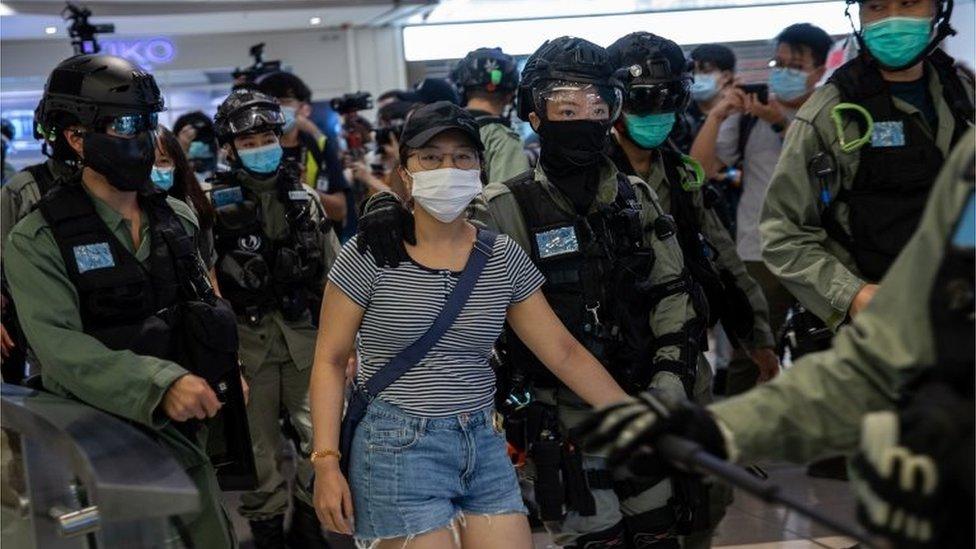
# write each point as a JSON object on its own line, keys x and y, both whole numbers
{"x": 427, "y": 121}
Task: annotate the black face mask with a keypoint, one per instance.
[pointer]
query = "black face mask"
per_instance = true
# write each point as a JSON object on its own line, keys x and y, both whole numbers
{"x": 571, "y": 145}
{"x": 125, "y": 163}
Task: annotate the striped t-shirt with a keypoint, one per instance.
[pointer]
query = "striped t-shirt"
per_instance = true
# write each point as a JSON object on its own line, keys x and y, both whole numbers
{"x": 401, "y": 304}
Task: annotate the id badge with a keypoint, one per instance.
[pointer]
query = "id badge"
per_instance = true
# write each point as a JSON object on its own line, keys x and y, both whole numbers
{"x": 298, "y": 196}
{"x": 89, "y": 257}
{"x": 888, "y": 133}
{"x": 226, "y": 197}
{"x": 557, "y": 242}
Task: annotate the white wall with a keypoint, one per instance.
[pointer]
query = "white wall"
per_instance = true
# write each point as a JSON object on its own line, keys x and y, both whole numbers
{"x": 963, "y": 45}
{"x": 331, "y": 62}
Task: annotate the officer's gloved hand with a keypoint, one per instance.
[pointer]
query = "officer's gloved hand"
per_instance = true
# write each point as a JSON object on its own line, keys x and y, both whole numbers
{"x": 913, "y": 475}
{"x": 383, "y": 227}
{"x": 626, "y": 432}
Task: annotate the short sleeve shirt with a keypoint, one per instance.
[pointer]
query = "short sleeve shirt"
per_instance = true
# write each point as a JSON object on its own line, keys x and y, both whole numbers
{"x": 401, "y": 303}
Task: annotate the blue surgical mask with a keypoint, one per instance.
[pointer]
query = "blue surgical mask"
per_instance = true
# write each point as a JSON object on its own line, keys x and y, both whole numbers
{"x": 788, "y": 84}
{"x": 162, "y": 177}
{"x": 199, "y": 149}
{"x": 289, "y": 114}
{"x": 649, "y": 130}
{"x": 704, "y": 87}
{"x": 262, "y": 160}
{"x": 895, "y": 41}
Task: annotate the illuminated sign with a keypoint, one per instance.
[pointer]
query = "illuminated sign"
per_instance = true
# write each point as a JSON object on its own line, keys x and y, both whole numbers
{"x": 146, "y": 52}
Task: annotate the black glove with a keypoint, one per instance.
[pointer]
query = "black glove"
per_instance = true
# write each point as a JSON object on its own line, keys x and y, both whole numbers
{"x": 383, "y": 227}
{"x": 626, "y": 432}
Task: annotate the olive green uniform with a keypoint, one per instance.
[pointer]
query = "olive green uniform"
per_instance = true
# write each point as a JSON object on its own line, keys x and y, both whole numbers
{"x": 20, "y": 194}
{"x": 718, "y": 236}
{"x": 78, "y": 365}
{"x": 815, "y": 408}
{"x": 500, "y": 211}
{"x": 504, "y": 157}
{"x": 277, "y": 357}
{"x": 815, "y": 268}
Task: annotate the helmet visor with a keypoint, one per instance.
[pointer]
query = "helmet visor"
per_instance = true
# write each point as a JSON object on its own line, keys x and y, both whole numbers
{"x": 564, "y": 100}
{"x": 128, "y": 125}
{"x": 255, "y": 120}
{"x": 672, "y": 96}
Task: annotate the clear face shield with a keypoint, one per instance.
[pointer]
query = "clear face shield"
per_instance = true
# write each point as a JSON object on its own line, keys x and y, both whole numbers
{"x": 565, "y": 100}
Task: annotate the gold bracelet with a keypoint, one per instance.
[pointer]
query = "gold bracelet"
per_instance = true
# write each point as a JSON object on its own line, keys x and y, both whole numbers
{"x": 325, "y": 454}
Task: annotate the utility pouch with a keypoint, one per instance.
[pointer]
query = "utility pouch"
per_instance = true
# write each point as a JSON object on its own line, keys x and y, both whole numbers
{"x": 205, "y": 342}
{"x": 549, "y": 492}
{"x": 578, "y": 494}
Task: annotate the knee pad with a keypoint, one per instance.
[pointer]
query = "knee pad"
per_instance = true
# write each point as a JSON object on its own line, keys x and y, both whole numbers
{"x": 651, "y": 529}
{"x": 612, "y": 538}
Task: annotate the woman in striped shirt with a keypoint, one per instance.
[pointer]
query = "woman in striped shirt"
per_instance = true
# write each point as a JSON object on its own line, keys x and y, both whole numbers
{"x": 428, "y": 451}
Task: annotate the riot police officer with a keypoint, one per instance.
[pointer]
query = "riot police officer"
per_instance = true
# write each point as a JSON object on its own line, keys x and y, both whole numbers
{"x": 101, "y": 266}
{"x": 859, "y": 161}
{"x": 274, "y": 247}
{"x": 486, "y": 80}
{"x": 616, "y": 279}
{"x": 899, "y": 379}
{"x": 656, "y": 90}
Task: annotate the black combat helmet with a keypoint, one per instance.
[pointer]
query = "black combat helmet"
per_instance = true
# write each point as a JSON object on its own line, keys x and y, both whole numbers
{"x": 488, "y": 69}
{"x": 247, "y": 111}
{"x": 96, "y": 91}
{"x": 654, "y": 73}
{"x": 566, "y": 60}
{"x": 940, "y": 26}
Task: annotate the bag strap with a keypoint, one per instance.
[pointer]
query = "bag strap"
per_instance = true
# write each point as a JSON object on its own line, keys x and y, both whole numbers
{"x": 416, "y": 351}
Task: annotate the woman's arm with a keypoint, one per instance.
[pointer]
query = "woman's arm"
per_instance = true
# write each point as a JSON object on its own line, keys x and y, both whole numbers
{"x": 339, "y": 321}
{"x": 539, "y": 328}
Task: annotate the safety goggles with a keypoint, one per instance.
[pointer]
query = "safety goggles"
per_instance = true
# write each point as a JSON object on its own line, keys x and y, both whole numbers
{"x": 671, "y": 96}
{"x": 129, "y": 125}
{"x": 255, "y": 119}
{"x": 563, "y": 100}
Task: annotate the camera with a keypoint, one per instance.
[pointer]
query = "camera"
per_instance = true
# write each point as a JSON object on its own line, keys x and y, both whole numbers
{"x": 82, "y": 32}
{"x": 258, "y": 68}
{"x": 386, "y": 134}
{"x": 352, "y": 102}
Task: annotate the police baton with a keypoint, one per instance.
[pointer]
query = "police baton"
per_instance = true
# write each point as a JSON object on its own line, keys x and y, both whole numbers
{"x": 691, "y": 456}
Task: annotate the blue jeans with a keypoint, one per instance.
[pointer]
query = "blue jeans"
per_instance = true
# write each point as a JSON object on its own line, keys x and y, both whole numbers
{"x": 410, "y": 475}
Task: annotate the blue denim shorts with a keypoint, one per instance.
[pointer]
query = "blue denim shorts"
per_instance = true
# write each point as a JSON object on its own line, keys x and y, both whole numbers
{"x": 410, "y": 475}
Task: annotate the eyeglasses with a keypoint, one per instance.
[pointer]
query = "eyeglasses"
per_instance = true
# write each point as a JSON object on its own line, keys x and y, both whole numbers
{"x": 462, "y": 159}
{"x": 128, "y": 125}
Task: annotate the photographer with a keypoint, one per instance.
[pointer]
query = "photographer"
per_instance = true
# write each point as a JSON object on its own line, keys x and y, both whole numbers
{"x": 303, "y": 142}
{"x": 801, "y": 51}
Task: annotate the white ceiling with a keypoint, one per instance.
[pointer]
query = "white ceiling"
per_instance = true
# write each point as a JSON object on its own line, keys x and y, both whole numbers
{"x": 27, "y": 20}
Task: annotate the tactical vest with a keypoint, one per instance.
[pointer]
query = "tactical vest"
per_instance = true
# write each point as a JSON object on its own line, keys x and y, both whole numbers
{"x": 723, "y": 299}
{"x": 896, "y": 168}
{"x": 256, "y": 273}
{"x": 118, "y": 295}
{"x": 952, "y": 306}
{"x": 597, "y": 271}
{"x": 726, "y": 300}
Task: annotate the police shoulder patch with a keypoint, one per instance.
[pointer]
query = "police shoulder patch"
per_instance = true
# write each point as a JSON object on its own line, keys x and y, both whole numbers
{"x": 89, "y": 257}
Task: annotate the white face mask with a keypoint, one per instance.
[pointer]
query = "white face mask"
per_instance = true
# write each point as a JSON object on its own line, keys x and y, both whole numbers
{"x": 446, "y": 192}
